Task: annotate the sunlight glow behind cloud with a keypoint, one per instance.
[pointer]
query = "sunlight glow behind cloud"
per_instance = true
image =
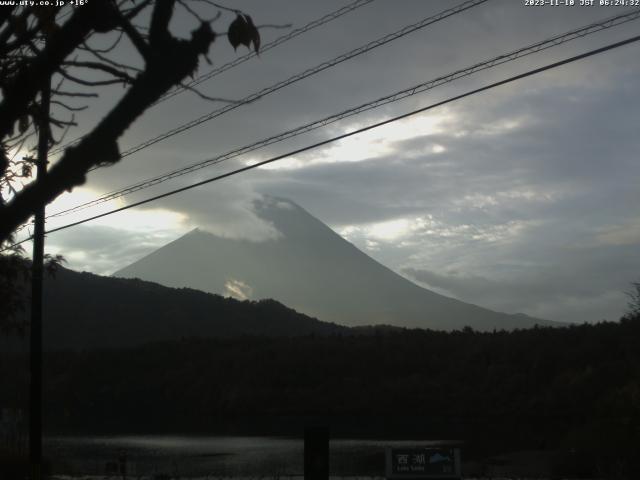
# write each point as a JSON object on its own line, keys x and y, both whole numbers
{"x": 133, "y": 220}
{"x": 376, "y": 143}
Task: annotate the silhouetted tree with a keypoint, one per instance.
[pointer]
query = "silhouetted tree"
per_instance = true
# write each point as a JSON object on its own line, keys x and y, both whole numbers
{"x": 43, "y": 44}
{"x": 39, "y": 43}
{"x": 634, "y": 300}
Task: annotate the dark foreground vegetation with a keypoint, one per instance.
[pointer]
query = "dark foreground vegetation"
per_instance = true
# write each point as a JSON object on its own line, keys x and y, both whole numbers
{"x": 574, "y": 389}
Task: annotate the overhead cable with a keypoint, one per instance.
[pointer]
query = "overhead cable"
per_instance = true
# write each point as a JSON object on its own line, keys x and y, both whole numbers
{"x": 422, "y": 87}
{"x": 346, "y": 135}
{"x": 307, "y": 73}
{"x": 248, "y": 56}
{"x": 264, "y": 48}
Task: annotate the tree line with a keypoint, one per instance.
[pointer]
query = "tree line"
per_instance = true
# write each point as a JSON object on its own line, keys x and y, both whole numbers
{"x": 574, "y": 388}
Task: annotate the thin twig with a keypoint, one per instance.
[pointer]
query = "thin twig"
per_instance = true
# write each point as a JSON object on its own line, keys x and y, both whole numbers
{"x": 64, "y": 132}
{"x": 69, "y": 107}
{"x": 88, "y": 83}
{"x": 222, "y": 7}
{"x": 206, "y": 97}
{"x": 107, "y": 49}
{"x": 74, "y": 94}
{"x": 62, "y": 123}
{"x": 105, "y": 59}
{"x": 103, "y": 67}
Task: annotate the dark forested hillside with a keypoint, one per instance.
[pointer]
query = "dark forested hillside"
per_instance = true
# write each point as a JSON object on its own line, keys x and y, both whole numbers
{"x": 575, "y": 388}
{"x": 84, "y": 311}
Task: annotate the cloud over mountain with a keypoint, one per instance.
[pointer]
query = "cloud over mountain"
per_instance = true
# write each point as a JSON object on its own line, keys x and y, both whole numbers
{"x": 313, "y": 270}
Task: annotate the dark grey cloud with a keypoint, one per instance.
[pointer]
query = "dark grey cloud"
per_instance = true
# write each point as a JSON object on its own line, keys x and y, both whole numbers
{"x": 566, "y": 285}
{"x": 418, "y": 57}
{"x": 556, "y": 165}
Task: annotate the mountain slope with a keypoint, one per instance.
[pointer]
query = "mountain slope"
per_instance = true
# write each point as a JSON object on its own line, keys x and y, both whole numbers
{"x": 85, "y": 311}
{"x": 313, "y": 270}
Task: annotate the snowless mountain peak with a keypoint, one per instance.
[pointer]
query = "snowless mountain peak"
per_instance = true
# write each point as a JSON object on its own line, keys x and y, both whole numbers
{"x": 310, "y": 268}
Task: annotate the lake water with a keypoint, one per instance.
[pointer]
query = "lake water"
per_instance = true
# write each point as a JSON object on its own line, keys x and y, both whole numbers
{"x": 214, "y": 455}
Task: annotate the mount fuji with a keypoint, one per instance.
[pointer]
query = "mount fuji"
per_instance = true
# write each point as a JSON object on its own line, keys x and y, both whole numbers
{"x": 312, "y": 269}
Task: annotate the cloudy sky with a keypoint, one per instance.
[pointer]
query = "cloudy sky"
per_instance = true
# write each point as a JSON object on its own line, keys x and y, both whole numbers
{"x": 520, "y": 199}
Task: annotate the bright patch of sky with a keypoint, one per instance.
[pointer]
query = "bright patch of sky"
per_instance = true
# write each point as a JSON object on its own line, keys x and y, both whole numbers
{"x": 370, "y": 145}
{"x": 128, "y": 220}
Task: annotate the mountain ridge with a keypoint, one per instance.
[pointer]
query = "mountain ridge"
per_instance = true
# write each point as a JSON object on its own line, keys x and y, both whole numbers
{"x": 312, "y": 269}
{"x": 87, "y": 311}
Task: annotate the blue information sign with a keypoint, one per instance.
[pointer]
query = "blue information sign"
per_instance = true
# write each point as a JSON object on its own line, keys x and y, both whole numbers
{"x": 426, "y": 462}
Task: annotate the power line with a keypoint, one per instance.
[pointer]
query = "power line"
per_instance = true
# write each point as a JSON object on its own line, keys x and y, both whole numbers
{"x": 234, "y": 63}
{"x": 543, "y": 45}
{"x": 308, "y": 73}
{"x": 349, "y": 134}
{"x": 284, "y": 38}
{"x": 499, "y": 60}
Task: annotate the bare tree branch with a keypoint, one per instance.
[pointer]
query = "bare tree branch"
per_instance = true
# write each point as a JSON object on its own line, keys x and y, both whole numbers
{"x": 206, "y": 97}
{"x": 91, "y": 83}
{"x": 63, "y": 93}
{"x": 64, "y": 133}
{"x": 107, "y": 60}
{"x": 23, "y": 88}
{"x": 62, "y": 123}
{"x": 100, "y": 145}
{"x": 69, "y": 107}
{"x": 159, "y": 34}
{"x": 14, "y": 24}
{"x": 47, "y": 50}
{"x": 108, "y": 49}
{"x": 133, "y": 12}
{"x": 102, "y": 67}
{"x": 135, "y": 37}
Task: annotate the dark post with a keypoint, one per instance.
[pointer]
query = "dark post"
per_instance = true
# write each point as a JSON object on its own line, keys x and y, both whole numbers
{"x": 316, "y": 453}
{"x": 122, "y": 462}
{"x": 35, "y": 363}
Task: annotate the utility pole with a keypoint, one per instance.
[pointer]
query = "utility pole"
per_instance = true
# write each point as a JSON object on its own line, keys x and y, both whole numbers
{"x": 35, "y": 362}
